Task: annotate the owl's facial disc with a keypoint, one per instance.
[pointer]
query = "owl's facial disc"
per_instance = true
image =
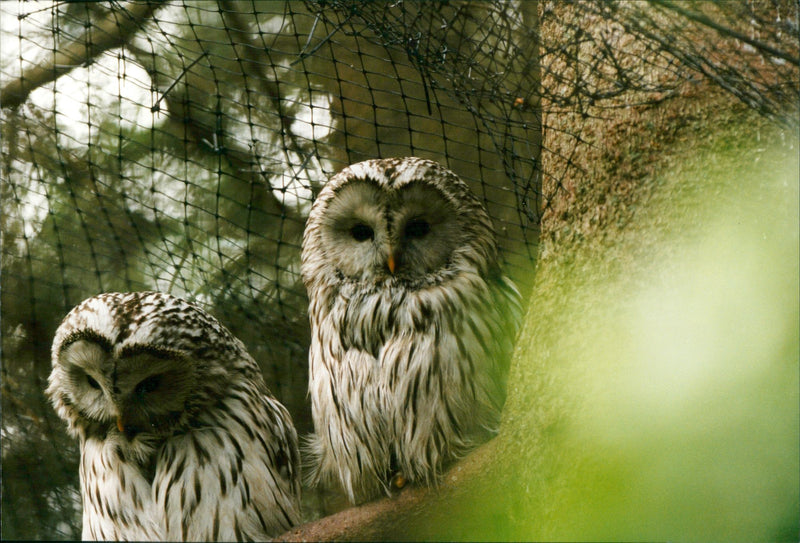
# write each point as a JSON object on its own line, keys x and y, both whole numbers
{"x": 141, "y": 390}
{"x": 425, "y": 229}
{"x": 373, "y": 233}
{"x": 84, "y": 361}
{"x": 354, "y": 232}
{"x": 151, "y": 387}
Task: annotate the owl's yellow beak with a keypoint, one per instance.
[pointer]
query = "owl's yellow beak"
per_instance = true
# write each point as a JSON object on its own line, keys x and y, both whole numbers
{"x": 120, "y": 425}
{"x": 391, "y": 263}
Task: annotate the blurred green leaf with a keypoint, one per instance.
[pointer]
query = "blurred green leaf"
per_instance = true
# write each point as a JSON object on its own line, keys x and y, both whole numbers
{"x": 655, "y": 391}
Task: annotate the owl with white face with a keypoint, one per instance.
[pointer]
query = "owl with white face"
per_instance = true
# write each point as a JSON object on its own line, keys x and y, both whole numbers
{"x": 412, "y": 325}
{"x": 180, "y": 438}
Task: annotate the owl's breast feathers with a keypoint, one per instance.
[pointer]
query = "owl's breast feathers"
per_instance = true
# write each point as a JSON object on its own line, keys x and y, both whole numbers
{"x": 407, "y": 379}
{"x": 244, "y": 456}
{"x": 365, "y": 316}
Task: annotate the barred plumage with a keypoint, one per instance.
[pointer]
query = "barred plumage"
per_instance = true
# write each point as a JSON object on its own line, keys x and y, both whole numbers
{"x": 412, "y": 324}
{"x": 180, "y": 437}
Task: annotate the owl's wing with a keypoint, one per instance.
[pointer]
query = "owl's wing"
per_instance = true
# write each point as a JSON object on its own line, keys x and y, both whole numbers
{"x": 235, "y": 476}
{"x": 444, "y": 382}
{"x": 350, "y": 448}
{"x": 508, "y": 312}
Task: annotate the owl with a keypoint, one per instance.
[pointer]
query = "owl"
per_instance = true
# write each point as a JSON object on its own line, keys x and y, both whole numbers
{"x": 180, "y": 438}
{"x": 412, "y": 325}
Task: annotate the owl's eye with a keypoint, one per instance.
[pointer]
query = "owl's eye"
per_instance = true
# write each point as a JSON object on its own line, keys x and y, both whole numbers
{"x": 362, "y": 232}
{"x": 92, "y": 383}
{"x": 417, "y": 228}
{"x": 148, "y": 385}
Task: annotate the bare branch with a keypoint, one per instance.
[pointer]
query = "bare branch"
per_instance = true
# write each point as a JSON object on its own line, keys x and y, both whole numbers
{"x": 728, "y": 31}
{"x": 113, "y": 31}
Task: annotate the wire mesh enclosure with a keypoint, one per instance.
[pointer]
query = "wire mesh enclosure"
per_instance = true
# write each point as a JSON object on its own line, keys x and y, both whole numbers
{"x": 177, "y": 146}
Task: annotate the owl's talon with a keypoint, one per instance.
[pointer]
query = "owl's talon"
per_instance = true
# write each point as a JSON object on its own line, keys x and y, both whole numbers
{"x": 398, "y": 481}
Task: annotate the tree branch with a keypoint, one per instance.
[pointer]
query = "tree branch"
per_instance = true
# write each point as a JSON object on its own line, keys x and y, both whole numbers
{"x": 728, "y": 31}
{"x": 400, "y": 517}
{"x": 253, "y": 60}
{"x": 112, "y": 31}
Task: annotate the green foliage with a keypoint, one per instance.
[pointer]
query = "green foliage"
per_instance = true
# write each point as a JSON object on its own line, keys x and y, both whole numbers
{"x": 655, "y": 394}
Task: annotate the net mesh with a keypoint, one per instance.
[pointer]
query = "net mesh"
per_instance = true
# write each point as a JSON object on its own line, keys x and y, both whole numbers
{"x": 177, "y": 146}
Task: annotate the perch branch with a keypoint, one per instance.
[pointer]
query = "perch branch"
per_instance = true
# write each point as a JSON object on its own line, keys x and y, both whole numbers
{"x": 393, "y": 518}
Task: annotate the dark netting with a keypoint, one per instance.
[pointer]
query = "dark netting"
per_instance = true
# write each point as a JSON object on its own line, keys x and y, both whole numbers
{"x": 177, "y": 146}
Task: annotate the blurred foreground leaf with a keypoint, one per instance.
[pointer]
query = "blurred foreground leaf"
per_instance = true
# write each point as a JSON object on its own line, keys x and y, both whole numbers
{"x": 655, "y": 388}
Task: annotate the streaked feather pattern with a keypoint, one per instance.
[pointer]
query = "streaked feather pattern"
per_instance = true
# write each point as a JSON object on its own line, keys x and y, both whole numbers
{"x": 180, "y": 437}
{"x": 407, "y": 367}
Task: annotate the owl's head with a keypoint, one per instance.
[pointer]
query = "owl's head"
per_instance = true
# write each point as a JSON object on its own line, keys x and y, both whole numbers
{"x": 406, "y": 220}
{"x": 138, "y": 365}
